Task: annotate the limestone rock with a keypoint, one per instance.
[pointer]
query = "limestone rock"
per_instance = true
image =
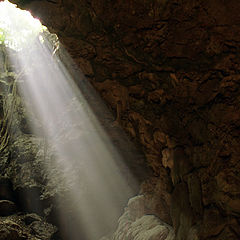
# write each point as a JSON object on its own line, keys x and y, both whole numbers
{"x": 6, "y": 189}
{"x": 135, "y": 224}
{"x": 12, "y": 231}
{"x": 42, "y": 230}
{"x": 136, "y": 207}
{"x": 7, "y": 208}
{"x": 167, "y": 159}
{"x": 183, "y": 56}
{"x": 6, "y": 233}
{"x": 30, "y": 218}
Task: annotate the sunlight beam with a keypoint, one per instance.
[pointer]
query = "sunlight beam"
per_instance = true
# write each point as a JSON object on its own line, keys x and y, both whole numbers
{"x": 92, "y": 169}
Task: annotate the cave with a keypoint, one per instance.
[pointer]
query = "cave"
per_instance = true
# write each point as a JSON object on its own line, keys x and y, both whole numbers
{"x": 143, "y": 141}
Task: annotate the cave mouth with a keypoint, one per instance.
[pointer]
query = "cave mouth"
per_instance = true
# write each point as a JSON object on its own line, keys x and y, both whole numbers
{"x": 69, "y": 171}
{"x": 18, "y": 28}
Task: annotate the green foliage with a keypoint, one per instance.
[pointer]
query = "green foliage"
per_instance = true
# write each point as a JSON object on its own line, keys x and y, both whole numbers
{"x": 17, "y": 27}
{"x": 2, "y": 36}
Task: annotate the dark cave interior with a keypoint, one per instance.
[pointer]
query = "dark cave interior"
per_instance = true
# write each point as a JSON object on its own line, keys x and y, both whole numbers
{"x": 161, "y": 78}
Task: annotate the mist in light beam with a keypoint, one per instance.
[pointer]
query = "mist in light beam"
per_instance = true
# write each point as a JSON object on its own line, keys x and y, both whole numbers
{"x": 91, "y": 166}
{"x": 99, "y": 189}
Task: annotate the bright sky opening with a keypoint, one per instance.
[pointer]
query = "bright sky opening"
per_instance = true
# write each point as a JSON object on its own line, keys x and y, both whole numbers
{"x": 17, "y": 27}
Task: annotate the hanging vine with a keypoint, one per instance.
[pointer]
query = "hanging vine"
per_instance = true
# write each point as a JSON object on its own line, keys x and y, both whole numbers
{"x": 9, "y": 101}
{"x": 9, "y": 104}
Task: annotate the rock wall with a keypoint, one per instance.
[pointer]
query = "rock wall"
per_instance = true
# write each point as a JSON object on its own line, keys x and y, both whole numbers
{"x": 48, "y": 189}
{"x": 21, "y": 211}
{"x": 169, "y": 70}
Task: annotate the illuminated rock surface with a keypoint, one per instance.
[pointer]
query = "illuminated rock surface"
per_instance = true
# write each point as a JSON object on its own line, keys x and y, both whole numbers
{"x": 169, "y": 71}
{"x": 134, "y": 224}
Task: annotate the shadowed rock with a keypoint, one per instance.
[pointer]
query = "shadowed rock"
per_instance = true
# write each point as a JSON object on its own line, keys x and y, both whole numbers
{"x": 6, "y": 191}
{"x": 7, "y": 208}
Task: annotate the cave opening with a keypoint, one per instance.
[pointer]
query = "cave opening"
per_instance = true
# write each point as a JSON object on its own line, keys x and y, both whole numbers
{"x": 17, "y": 27}
{"x": 169, "y": 73}
{"x": 59, "y": 166}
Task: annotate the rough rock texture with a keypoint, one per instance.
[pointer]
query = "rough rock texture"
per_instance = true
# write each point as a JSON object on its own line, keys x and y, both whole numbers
{"x": 135, "y": 224}
{"x": 35, "y": 178}
{"x": 21, "y": 180}
{"x": 170, "y": 72}
{"x": 7, "y": 208}
{"x": 14, "y": 228}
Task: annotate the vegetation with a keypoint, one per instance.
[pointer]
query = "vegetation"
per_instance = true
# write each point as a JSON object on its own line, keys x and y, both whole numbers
{"x": 17, "y": 27}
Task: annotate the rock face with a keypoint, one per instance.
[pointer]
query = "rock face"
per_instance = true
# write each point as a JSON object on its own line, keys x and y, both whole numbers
{"x": 136, "y": 224}
{"x": 7, "y": 208}
{"x": 18, "y": 168}
{"x": 169, "y": 70}
{"x": 46, "y": 187}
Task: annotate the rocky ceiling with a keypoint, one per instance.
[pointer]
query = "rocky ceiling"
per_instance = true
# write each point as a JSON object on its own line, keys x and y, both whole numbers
{"x": 170, "y": 71}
